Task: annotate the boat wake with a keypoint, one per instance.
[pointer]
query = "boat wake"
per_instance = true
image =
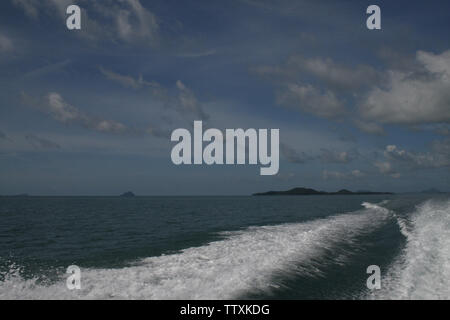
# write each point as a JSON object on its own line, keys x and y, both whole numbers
{"x": 422, "y": 270}
{"x": 240, "y": 262}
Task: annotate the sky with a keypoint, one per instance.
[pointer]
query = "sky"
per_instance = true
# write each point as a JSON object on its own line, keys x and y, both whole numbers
{"x": 90, "y": 111}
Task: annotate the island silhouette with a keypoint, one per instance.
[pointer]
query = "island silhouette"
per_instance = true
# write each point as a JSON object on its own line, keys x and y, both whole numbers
{"x": 309, "y": 191}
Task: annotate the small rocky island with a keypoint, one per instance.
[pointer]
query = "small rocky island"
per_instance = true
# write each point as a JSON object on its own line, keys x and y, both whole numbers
{"x": 308, "y": 192}
{"x": 128, "y": 194}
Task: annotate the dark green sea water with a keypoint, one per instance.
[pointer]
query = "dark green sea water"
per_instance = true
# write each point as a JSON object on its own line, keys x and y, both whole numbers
{"x": 286, "y": 247}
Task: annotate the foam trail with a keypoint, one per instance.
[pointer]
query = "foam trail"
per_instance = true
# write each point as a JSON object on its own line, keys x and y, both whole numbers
{"x": 244, "y": 260}
{"x": 422, "y": 271}
{"x": 378, "y": 207}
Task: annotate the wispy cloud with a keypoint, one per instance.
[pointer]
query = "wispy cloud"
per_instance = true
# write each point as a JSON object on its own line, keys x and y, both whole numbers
{"x": 62, "y": 111}
{"x": 398, "y": 161}
{"x": 386, "y": 168}
{"x": 6, "y": 45}
{"x": 135, "y": 22}
{"x": 106, "y": 20}
{"x": 30, "y": 7}
{"x": 354, "y": 174}
{"x": 325, "y": 155}
{"x": 369, "y": 127}
{"x": 55, "y": 105}
{"x": 330, "y": 73}
{"x": 41, "y": 143}
{"x": 127, "y": 81}
{"x": 197, "y": 54}
{"x": 332, "y": 156}
{"x": 306, "y": 98}
{"x": 47, "y": 69}
{"x": 180, "y": 98}
{"x": 293, "y": 155}
{"x": 439, "y": 157}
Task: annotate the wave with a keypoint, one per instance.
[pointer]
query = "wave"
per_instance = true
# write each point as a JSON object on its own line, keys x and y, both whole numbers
{"x": 242, "y": 261}
{"x": 422, "y": 270}
{"x": 374, "y": 206}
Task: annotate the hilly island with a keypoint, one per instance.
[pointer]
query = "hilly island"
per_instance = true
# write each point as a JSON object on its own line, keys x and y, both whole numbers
{"x": 310, "y": 192}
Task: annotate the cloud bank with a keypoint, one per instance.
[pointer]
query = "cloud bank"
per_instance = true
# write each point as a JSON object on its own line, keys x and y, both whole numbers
{"x": 413, "y": 97}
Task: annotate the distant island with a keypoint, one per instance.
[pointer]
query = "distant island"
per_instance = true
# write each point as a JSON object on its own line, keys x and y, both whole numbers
{"x": 128, "y": 194}
{"x": 308, "y": 191}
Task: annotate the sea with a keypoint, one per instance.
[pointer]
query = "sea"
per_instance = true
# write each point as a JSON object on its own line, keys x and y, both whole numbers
{"x": 255, "y": 247}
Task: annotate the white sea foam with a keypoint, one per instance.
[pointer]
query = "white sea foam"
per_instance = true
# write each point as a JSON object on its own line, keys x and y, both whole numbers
{"x": 374, "y": 206}
{"x": 422, "y": 271}
{"x": 243, "y": 260}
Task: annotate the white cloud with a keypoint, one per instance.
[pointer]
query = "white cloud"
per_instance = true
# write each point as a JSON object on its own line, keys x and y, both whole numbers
{"x": 311, "y": 100}
{"x": 6, "y": 44}
{"x": 135, "y": 21}
{"x": 326, "y": 99}
{"x": 30, "y": 7}
{"x": 326, "y": 175}
{"x": 60, "y": 5}
{"x": 336, "y": 75}
{"x": 186, "y": 102}
{"x": 34, "y": 8}
{"x": 413, "y": 98}
{"x": 115, "y": 20}
{"x": 398, "y": 160}
{"x": 331, "y": 156}
{"x": 61, "y": 110}
{"x": 357, "y": 174}
{"x": 416, "y": 94}
{"x": 440, "y": 157}
{"x": 66, "y": 113}
{"x": 386, "y": 168}
{"x": 369, "y": 127}
{"x": 332, "y": 74}
{"x": 127, "y": 81}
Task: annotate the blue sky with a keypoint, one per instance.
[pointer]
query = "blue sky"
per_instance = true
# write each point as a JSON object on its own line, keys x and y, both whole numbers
{"x": 89, "y": 112}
